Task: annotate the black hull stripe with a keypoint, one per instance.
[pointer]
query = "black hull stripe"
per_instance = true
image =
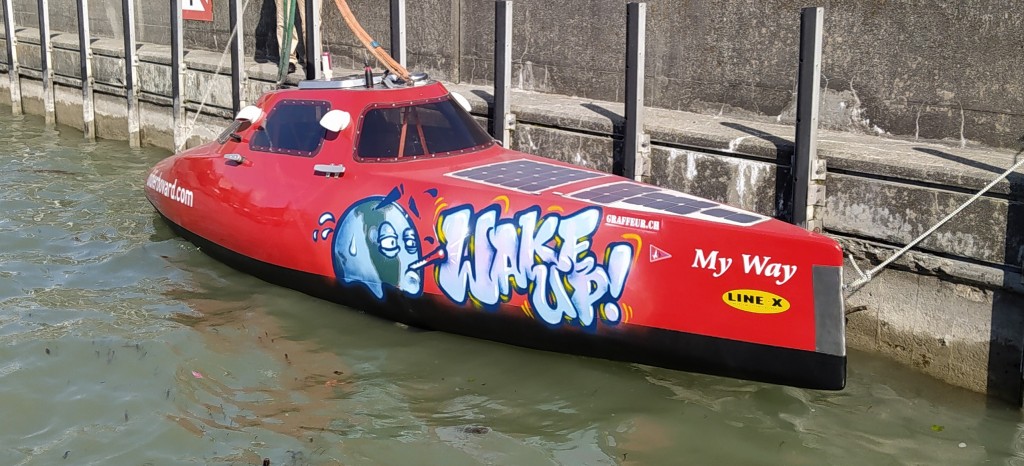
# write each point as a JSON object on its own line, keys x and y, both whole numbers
{"x": 631, "y": 343}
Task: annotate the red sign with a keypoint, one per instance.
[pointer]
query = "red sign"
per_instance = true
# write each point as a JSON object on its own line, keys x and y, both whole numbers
{"x": 197, "y": 10}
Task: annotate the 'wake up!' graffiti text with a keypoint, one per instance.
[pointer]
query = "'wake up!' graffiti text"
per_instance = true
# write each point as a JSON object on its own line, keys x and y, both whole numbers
{"x": 549, "y": 259}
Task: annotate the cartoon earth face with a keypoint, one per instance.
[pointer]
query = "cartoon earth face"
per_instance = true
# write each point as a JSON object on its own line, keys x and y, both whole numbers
{"x": 376, "y": 243}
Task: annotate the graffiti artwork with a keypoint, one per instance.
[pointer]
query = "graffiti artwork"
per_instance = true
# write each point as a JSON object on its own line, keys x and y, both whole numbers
{"x": 547, "y": 259}
{"x": 376, "y": 244}
{"x": 483, "y": 258}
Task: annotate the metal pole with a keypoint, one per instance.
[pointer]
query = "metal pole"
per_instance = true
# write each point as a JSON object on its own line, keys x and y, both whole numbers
{"x": 237, "y": 55}
{"x": 398, "y": 31}
{"x": 502, "y": 120}
{"x": 13, "y": 70}
{"x": 636, "y": 145}
{"x": 313, "y": 49}
{"x": 131, "y": 72}
{"x": 177, "y": 72}
{"x": 85, "y": 61}
{"x": 807, "y": 191}
{"x": 46, "y": 59}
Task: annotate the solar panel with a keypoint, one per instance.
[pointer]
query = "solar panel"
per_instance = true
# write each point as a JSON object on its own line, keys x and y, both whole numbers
{"x": 742, "y": 218}
{"x": 719, "y": 212}
{"x": 525, "y": 175}
{"x": 682, "y": 209}
{"x": 638, "y": 197}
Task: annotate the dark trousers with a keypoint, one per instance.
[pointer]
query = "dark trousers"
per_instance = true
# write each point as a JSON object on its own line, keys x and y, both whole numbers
{"x": 266, "y": 32}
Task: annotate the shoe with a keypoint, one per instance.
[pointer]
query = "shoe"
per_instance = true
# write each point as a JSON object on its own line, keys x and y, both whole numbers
{"x": 291, "y": 68}
{"x": 262, "y": 59}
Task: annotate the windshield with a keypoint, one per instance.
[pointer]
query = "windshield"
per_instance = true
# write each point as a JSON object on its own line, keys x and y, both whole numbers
{"x": 432, "y": 129}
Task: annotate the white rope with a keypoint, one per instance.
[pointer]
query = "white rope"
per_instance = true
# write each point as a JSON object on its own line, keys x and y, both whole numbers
{"x": 209, "y": 89}
{"x": 866, "y": 277}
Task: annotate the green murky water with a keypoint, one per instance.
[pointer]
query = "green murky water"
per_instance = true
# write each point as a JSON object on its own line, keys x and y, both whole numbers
{"x": 121, "y": 344}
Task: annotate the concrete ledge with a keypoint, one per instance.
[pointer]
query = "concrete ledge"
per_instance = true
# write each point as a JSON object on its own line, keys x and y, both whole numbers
{"x": 916, "y": 161}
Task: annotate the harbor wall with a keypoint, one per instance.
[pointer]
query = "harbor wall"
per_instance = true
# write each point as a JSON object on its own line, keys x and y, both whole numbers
{"x": 952, "y": 309}
{"x": 935, "y": 70}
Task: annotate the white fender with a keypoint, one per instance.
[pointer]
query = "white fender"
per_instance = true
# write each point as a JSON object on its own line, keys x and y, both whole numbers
{"x": 336, "y": 120}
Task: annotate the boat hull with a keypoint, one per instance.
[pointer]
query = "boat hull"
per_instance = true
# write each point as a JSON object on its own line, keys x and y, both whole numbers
{"x": 476, "y": 239}
{"x": 645, "y": 345}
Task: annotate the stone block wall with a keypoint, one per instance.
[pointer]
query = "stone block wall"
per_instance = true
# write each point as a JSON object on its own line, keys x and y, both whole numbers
{"x": 933, "y": 70}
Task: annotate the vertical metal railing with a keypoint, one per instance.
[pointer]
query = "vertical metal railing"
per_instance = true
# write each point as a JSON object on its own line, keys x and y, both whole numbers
{"x": 13, "y": 70}
{"x": 237, "y": 54}
{"x": 177, "y": 74}
{"x": 311, "y": 23}
{"x": 85, "y": 71}
{"x": 46, "y": 60}
{"x": 502, "y": 120}
{"x": 398, "y": 51}
{"x": 808, "y": 173}
{"x": 636, "y": 144}
{"x": 131, "y": 72}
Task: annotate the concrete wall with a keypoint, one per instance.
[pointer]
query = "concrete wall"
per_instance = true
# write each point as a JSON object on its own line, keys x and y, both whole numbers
{"x": 940, "y": 70}
{"x": 936, "y": 70}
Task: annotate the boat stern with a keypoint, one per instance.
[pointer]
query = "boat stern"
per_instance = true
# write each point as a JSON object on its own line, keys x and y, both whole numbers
{"x": 829, "y": 310}
{"x": 733, "y": 292}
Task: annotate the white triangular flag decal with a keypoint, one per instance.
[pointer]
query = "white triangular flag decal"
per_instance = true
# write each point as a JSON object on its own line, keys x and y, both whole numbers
{"x": 659, "y": 254}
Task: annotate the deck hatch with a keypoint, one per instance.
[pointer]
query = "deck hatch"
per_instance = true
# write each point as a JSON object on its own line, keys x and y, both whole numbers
{"x": 635, "y": 196}
{"x": 525, "y": 175}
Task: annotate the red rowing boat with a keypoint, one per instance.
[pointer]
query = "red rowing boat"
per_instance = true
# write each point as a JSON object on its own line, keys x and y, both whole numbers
{"x": 391, "y": 199}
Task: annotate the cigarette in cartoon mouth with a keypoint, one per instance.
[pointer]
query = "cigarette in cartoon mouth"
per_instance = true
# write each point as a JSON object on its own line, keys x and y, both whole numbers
{"x": 437, "y": 255}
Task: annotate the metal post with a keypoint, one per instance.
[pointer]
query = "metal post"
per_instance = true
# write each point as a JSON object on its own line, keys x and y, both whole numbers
{"x": 313, "y": 49}
{"x": 13, "y": 70}
{"x": 46, "y": 58}
{"x": 131, "y": 72}
{"x": 636, "y": 144}
{"x": 502, "y": 120}
{"x": 808, "y": 174}
{"x": 398, "y": 31}
{"x": 177, "y": 74}
{"x": 237, "y": 55}
{"x": 85, "y": 62}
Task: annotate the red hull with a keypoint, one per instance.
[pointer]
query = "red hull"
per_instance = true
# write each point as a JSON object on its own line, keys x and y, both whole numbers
{"x": 509, "y": 246}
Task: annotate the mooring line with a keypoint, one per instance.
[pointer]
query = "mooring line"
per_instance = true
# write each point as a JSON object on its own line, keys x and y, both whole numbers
{"x": 209, "y": 89}
{"x": 870, "y": 274}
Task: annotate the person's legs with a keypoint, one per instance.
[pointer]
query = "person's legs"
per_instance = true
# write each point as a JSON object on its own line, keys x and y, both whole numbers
{"x": 262, "y": 34}
{"x": 300, "y": 27}
{"x": 280, "y": 22}
{"x": 301, "y": 6}
{"x": 281, "y": 4}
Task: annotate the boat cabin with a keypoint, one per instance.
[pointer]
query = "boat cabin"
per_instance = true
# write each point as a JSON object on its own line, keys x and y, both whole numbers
{"x": 392, "y": 123}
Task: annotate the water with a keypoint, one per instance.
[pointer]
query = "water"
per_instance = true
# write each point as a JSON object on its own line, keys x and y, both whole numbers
{"x": 121, "y": 344}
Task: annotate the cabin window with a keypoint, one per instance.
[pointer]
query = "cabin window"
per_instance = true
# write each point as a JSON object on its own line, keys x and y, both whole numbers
{"x": 436, "y": 128}
{"x": 292, "y": 127}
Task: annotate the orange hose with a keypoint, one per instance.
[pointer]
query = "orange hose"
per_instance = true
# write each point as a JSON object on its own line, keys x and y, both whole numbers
{"x": 370, "y": 44}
